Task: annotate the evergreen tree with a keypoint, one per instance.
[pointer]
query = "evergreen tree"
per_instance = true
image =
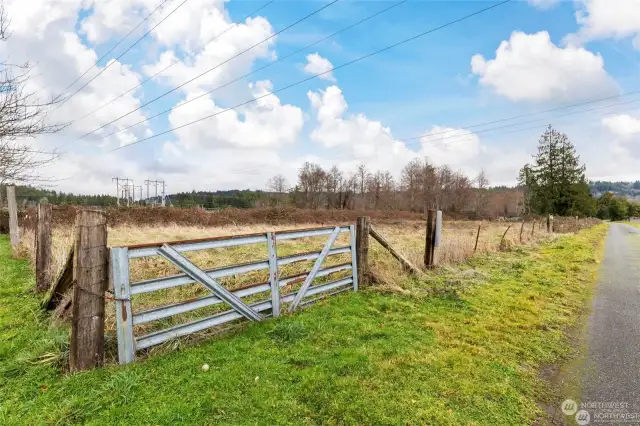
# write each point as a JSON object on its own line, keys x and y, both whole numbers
{"x": 555, "y": 183}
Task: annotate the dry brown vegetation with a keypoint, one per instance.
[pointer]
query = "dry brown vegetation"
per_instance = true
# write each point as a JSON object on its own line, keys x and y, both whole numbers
{"x": 458, "y": 242}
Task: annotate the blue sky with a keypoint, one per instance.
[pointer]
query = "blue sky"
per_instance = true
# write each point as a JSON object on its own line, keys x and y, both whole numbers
{"x": 425, "y": 86}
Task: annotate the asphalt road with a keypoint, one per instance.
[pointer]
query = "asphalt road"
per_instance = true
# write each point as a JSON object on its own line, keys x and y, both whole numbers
{"x": 611, "y": 370}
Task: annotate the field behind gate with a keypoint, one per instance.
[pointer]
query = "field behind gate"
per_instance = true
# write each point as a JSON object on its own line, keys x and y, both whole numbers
{"x": 469, "y": 357}
{"x": 458, "y": 243}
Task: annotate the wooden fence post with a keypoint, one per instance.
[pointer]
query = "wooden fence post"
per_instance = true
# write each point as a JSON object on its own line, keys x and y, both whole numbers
{"x": 477, "y": 237}
{"x": 429, "y": 243}
{"x": 91, "y": 276}
{"x": 550, "y": 223}
{"x": 504, "y": 235}
{"x": 43, "y": 247}
{"x": 362, "y": 248}
{"x": 521, "y": 229}
{"x": 14, "y": 232}
{"x": 533, "y": 228}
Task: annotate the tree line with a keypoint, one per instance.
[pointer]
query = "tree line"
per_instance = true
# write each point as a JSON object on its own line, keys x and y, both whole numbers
{"x": 421, "y": 186}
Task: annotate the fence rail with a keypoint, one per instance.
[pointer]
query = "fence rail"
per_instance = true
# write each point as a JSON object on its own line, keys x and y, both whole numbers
{"x": 127, "y": 317}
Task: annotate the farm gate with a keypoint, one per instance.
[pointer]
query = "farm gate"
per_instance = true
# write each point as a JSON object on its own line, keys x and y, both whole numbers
{"x": 127, "y": 317}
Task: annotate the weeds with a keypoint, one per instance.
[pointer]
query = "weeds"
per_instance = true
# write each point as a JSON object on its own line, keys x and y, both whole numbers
{"x": 364, "y": 358}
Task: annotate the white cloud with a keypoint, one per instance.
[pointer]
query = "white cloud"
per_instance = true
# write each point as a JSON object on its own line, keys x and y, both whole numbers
{"x": 446, "y": 145}
{"x": 543, "y": 4}
{"x": 529, "y": 67}
{"x": 622, "y": 125}
{"x": 316, "y": 64}
{"x": 200, "y": 24}
{"x": 265, "y": 123}
{"x": 355, "y": 139}
{"x": 600, "y": 19}
{"x": 61, "y": 58}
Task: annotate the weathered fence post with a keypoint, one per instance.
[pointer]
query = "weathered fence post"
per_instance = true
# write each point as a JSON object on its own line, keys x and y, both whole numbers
{"x": 504, "y": 235}
{"x": 550, "y": 223}
{"x": 362, "y": 248}
{"x": 533, "y": 228}
{"x": 521, "y": 230}
{"x": 14, "y": 232}
{"x": 43, "y": 247}
{"x": 429, "y": 242}
{"x": 273, "y": 274}
{"x": 90, "y": 272}
{"x": 477, "y": 237}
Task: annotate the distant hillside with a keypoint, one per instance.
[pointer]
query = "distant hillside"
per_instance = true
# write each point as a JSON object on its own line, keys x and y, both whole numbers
{"x": 630, "y": 190}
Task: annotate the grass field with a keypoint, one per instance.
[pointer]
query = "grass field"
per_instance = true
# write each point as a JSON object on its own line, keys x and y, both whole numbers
{"x": 458, "y": 244}
{"x": 469, "y": 355}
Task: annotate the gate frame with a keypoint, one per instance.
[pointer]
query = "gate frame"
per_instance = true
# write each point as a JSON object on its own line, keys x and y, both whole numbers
{"x": 126, "y": 318}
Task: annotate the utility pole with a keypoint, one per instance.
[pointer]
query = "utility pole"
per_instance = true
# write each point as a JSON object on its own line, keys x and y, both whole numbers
{"x": 120, "y": 185}
{"x": 147, "y": 182}
{"x": 155, "y": 184}
{"x": 139, "y": 189}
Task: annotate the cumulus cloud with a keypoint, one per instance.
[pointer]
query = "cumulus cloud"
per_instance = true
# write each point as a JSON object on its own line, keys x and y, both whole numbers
{"x": 316, "y": 64}
{"x": 205, "y": 23}
{"x": 529, "y": 67}
{"x": 600, "y": 19}
{"x": 46, "y": 31}
{"x": 622, "y": 125}
{"x": 447, "y": 145}
{"x": 265, "y": 123}
{"x": 355, "y": 139}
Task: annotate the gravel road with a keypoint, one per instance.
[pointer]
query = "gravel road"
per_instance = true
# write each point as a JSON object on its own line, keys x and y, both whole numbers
{"x": 611, "y": 371}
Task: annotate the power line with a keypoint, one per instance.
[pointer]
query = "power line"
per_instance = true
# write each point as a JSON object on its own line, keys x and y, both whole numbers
{"x": 319, "y": 74}
{"x": 512, "y": 124}
{"x": 257, "y": 70}
{"x": 121, "y": 55}
{"x": 211, "y": 69}
{"x": 176, "y": 61}
{"x": 433, "y": 142}
{"x": 112, "y": 49}
{"x": 635, "y": 92}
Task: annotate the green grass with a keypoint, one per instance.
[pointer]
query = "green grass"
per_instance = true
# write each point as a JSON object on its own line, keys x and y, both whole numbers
{"x": 469, "y": 356}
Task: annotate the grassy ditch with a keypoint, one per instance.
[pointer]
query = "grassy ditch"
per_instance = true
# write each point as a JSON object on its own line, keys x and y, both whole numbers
{"x": 470, "y": 355}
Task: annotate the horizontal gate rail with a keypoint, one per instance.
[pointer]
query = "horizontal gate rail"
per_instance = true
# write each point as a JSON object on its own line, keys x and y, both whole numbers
{"x": 127, "y": 318}
{"x": 201, "y": 302}
{"x": 228, "y": 271}
{"x": 151, "y": 249}
{"x": 167, "y": 334}
{"x": 194, "y": 272}
{"x": 290, "y": 235}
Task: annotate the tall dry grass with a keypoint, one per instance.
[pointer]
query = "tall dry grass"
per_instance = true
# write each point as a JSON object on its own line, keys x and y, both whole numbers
{"x": 457, "y": 245}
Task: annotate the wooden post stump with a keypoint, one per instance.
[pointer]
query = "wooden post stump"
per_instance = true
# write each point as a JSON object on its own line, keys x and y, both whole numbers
{"x": 475, "y": 247}
{"x": 91, "y": 276}
{"x": 429, "y": 242}
{"x": 362, "y": 248}
{"x": 43, "y": 247}
{"x": 14, "y": 232}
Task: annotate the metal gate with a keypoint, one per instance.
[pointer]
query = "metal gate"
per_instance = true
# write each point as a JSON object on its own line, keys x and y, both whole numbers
{"x": 127, "y": 318}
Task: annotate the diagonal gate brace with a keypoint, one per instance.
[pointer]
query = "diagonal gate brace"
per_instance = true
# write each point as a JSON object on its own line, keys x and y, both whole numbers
{"x": 200, "y": 276}
{"x": 314, "y": 270}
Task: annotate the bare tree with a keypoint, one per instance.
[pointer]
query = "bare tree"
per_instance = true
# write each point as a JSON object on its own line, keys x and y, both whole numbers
{"x": 277, "y": 183}
{"x": 23, "y": 115}
{"x": 482, "y": 182}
